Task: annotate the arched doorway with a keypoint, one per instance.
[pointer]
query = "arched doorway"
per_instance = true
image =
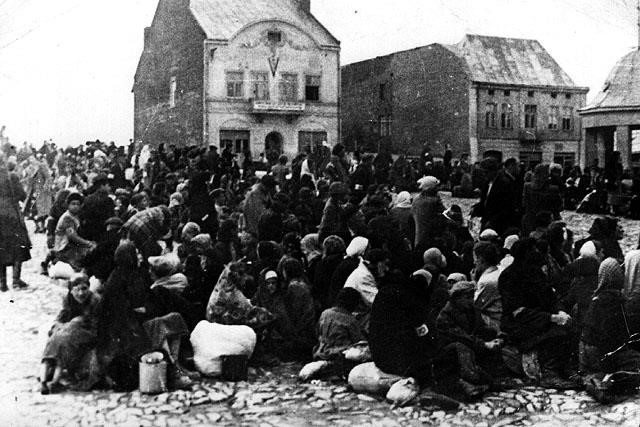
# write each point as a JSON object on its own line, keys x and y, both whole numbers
{"x": 273, "y": 147}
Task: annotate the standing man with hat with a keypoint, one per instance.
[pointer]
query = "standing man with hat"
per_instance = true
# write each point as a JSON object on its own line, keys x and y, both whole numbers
{"x": 96, "y": 210}
{"x": 425, "y": 210}
{"x": 336, "y": 214}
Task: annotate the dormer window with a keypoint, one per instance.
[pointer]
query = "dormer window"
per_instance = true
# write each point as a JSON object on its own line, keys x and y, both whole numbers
{"x": 274, "y": 36}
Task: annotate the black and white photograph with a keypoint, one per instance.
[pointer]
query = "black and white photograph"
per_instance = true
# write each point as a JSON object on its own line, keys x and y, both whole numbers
{"x": 320, "y": 213}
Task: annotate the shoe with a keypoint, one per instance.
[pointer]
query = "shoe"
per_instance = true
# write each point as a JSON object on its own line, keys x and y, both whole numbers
{"x": 54, "y": 387}
{"x": 531, "y": 365}
{"x": 181, "y": 383}
{"x": 4, "y": 287}
{"x": 19, "y": 284}
{"x": 44, "y": 389}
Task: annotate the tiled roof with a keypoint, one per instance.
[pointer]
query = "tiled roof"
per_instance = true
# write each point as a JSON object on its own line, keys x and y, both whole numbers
{"x": 509, "y": 61}
{"x": 221, "y": 19}
{"x": 622, "y": 87}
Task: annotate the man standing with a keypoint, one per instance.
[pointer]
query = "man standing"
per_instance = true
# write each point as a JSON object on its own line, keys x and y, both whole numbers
{"x": 257, "y": 201}
{"x": 336, "y": 214}
{"x": 500, "y": 200}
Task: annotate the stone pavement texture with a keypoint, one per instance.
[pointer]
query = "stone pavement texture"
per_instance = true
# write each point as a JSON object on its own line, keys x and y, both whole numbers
{"x": 272, "y": 397}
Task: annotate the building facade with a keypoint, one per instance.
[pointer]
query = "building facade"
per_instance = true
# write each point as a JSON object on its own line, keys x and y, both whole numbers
{"x": 260, "y": 76}
{"x": 611, "y": 123}
{"x": 485, "y": 96}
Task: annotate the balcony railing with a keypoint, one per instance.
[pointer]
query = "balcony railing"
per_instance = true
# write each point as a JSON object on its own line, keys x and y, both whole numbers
{"x": 278, "y": 107}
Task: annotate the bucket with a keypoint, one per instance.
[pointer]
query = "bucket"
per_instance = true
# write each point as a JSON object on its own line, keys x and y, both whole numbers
{"x": 153, "y": 373}
{"x": 234, "y": 368}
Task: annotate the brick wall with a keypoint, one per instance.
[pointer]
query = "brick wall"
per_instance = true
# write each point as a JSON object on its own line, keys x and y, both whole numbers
{"x": 174, "y": 48}
{"x": 425, "y": 95}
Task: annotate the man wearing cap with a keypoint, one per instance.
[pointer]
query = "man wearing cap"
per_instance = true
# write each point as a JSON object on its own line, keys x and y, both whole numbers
{"x": 426, "y": 209}
{"x": 362, "y": 178}
{"x": 96, "y": 209}
{"x": 257, "y": 201}
{"x": 336, "y": 214}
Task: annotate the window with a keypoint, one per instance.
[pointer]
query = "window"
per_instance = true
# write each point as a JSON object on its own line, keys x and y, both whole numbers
{"x": 260, "y": 86}
{"x": 235, "y": 82}
{"x": 385, "y": 126}
{"x": 490, "y": 115}
{"x": 310, "y": 141}
{"x": 506, "y": 116}
{"x": 567, "y": 95}
{"x": 312, "y": 88}
{"x": 274, "y": 36}
{"x": 288, "y": 87}
{"x": 530, "y": 116}
{"x": 491, "y": 92}
{"x": 173, "y": 86}
{"x": 530, "y": 159}
{"x": 567, "y": 118}
{"x": 566, "y": 160}
{"x": 530, "y": 94}
{"x": 507, "y": 93}
{"x": 554, "y": 95}
{"x": 382, "y": 91}
{"x": 554, "y": 112}
{"x": 239, "y": 140}
{"x": 635, "y": 141}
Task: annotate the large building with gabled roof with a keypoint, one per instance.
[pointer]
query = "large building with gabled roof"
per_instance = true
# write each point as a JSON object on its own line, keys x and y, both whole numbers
{"x": 485, "y": 96}
{"x": 259, "y": 75}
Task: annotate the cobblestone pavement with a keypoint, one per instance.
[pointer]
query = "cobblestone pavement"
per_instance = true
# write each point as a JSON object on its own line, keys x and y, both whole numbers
{"x": 269, "y": 397}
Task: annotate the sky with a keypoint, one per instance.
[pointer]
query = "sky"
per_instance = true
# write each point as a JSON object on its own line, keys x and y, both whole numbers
{"x": 67, "y": 66}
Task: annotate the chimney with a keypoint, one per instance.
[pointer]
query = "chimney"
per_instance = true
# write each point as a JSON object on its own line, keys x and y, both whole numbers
{"x": 305, "y": 5}
{"x": 147, "y": 36}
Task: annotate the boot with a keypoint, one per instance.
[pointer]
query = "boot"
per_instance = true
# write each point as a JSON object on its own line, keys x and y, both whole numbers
{"x": 3, "y": 280}
{"x": 17, "y": 282}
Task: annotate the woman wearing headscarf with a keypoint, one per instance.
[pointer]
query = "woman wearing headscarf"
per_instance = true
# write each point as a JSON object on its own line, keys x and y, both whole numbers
{"x": 40, "y": 190}
{"x": 604, "y": 325}
{"x": 14, "y": 238}
{"x": 401, "y": 213}
{"x": 582, "y": 274}
{"x": 354, "y": 254}
{"x": 134, "y": 319}
{"x": 312, "y": 251}
{"x": 607, "y": 231}
{"x": 292, "y": 334}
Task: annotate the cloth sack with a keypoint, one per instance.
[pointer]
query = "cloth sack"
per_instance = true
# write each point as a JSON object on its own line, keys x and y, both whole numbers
{"x": 313, "y": 370}
{"x": 210, "y": 341}
{"x": 367, "y": 378}
{"x": 61, "y": 270}
{"x": 403, "y": 391}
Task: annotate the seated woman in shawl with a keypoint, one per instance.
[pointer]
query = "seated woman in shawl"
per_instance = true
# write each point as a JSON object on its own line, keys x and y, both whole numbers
{"x": 605, "y": 331}
{"x": 164, "y": 272}
{"x": 604, "y": 324}
{"x": 292, "y": 335}
{"x": 69, "y": 246}
{"x": 71, "y": 338}
{"x": 631, "y": 290}
{"x": 338, "y": 328}
{"x": 131, "y": 323}
{"x": 202, "y": 269}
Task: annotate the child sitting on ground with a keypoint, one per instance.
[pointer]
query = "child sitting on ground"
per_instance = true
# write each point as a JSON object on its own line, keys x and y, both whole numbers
{"x": 71, "y": 338}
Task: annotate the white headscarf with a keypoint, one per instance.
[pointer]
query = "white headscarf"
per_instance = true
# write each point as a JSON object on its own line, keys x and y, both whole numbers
{"x": 358, "y": 246}
{"x": 588, "y": 250}
{"x": 403, "y": 200}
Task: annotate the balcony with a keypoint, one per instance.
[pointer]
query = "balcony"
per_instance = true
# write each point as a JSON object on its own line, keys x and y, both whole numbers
{"x": 278, "y": 107}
